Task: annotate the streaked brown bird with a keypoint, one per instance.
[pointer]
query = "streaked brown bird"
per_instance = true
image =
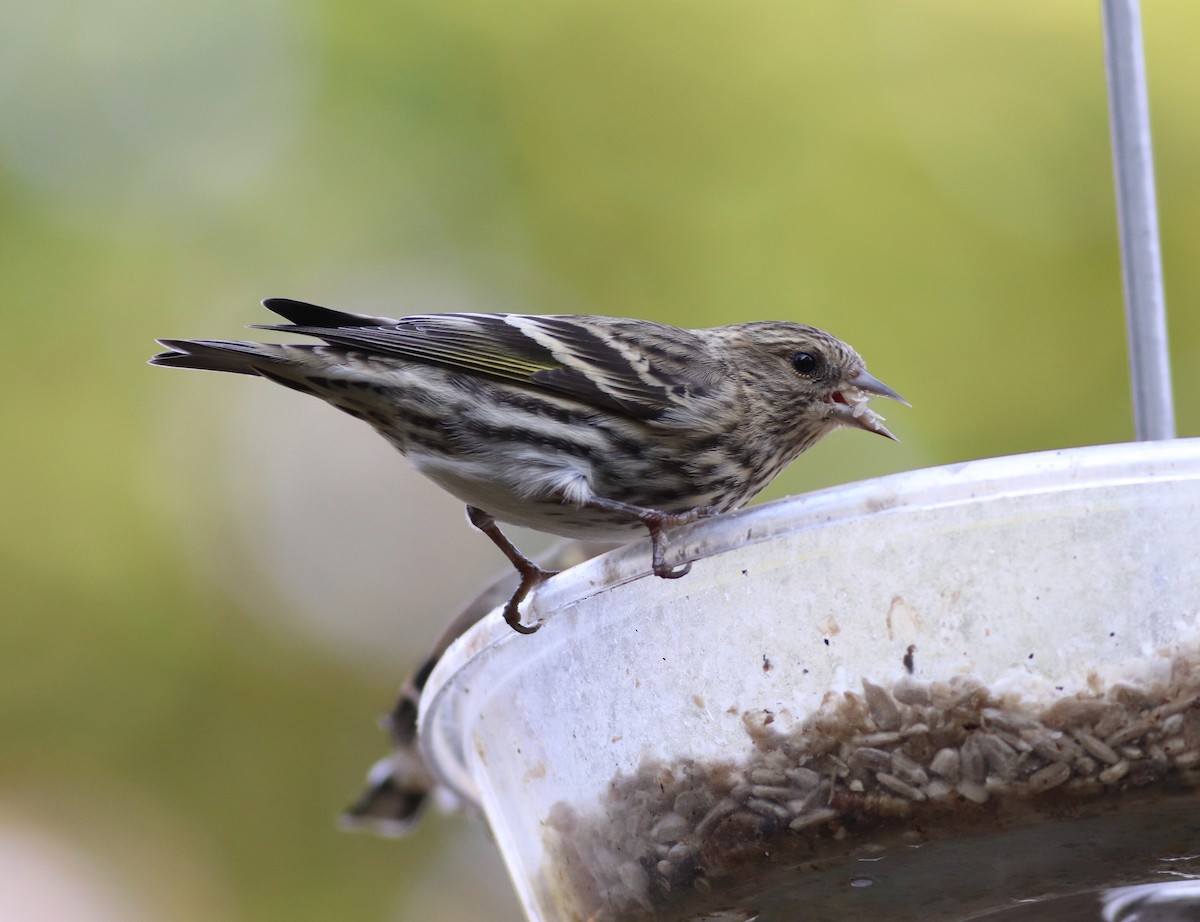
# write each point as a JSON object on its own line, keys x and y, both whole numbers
{"x": 583, "y": 426}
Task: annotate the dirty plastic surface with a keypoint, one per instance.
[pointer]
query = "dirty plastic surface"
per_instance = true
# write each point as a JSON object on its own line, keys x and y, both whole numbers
{"x": 1041, "y": 576}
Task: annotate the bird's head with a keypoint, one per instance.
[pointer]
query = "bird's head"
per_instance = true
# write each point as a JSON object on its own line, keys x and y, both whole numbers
{"x": 808, "y": 370}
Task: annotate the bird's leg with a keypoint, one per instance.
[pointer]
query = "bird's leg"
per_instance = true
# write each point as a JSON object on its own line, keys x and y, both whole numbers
{"x": 531, "y": 574}
{"x": 656, "y": 522}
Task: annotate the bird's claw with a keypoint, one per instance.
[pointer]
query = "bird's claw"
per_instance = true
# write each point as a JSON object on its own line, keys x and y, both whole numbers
{"x": 658, "y": 551}
{"x": 657, "y": 522}
{"x": 531, "y": 573}
{"x": 531, "y": 577}
{"x": 668, "y": 572}
{"x": 513, "y": 618}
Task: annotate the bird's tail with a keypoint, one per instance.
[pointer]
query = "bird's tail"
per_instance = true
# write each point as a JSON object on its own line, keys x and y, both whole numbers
{"x": 283, "y": 364}
{"x": 239, "y": 358}
{"x": 246, "y": 358}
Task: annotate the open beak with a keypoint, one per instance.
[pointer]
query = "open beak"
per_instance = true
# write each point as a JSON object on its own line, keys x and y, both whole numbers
{"x": 864, "y": 382}
{"x": 850, "y": 404}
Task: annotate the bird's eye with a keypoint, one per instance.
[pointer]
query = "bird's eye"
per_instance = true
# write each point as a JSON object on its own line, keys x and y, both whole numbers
{"x": 805, "y": 363}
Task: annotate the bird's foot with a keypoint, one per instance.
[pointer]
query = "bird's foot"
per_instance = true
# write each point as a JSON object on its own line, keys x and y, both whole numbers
{"x": 657, "y": 522}
{"x": 531, "y": 574}
{"x": 529, "y": 578}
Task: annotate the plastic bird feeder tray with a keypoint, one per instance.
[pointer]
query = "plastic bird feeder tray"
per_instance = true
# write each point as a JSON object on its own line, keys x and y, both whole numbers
{"x": 855, "y": 702}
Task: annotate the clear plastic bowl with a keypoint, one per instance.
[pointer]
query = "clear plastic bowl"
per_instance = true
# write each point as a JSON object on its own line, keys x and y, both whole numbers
{"x": 910, "y": 697}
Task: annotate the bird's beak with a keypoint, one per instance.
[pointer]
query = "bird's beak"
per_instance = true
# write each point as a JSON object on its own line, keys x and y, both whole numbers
{"x": 865, "y": 382}
{"x": 850, "y": 404}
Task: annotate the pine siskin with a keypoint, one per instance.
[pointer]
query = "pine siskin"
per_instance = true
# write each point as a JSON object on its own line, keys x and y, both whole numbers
{"x": 583, "y": 426}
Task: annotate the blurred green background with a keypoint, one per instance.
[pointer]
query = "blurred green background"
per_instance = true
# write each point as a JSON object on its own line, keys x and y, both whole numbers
{"x": 211, "y": 587}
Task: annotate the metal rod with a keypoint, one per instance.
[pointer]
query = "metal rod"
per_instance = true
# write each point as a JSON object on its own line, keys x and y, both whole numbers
{"x": 1137, "y": 217}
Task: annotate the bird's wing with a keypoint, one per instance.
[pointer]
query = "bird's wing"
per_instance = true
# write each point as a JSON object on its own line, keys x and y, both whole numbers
{"x": 600, "y": 361}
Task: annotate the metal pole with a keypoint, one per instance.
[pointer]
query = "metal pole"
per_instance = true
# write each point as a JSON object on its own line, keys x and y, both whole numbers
{"x": 1137, "y": 217}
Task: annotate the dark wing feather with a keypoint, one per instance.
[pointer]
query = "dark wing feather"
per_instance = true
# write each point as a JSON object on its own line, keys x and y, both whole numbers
{"x": 595, "y": 360}
{"x": 302, "y": 313}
